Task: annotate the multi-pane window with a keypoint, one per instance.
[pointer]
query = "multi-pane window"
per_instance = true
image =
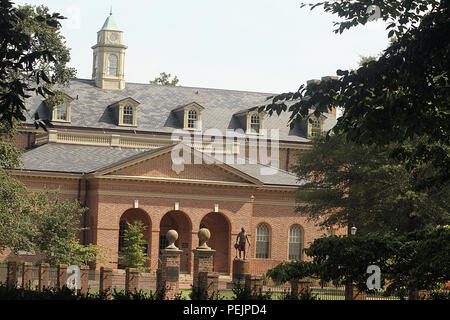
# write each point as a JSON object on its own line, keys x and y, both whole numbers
{"x": 255, "y": 123}
{"x": 61, "y": 111}
{"x": 295, "y": 243}
{"x": 113, "y": 63}
{"x": 127, "y": 115}
{"x": 163, "y": 242}
{"x": 192, "y": 119}
{"x": 315, "y": 128}
{"x": 122, "y": 228}
{"x": 262, "y": 241}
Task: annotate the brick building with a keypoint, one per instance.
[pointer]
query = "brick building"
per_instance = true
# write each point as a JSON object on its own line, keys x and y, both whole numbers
{"x": 113, "y": 146}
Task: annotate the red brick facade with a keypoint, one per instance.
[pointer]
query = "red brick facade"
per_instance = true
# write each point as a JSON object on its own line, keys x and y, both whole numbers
{"x": 183, "y": 205}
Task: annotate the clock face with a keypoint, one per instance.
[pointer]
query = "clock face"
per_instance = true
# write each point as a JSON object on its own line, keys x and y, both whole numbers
{"x": 113, "y": 37}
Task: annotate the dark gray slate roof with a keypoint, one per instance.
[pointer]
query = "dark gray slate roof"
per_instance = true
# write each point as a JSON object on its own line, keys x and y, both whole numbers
{"x": 90, "y": 108}
{"x": 69, "y": 158}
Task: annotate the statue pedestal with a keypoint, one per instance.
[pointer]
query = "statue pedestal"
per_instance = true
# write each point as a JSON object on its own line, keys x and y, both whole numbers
{"x": 241, "y": 269}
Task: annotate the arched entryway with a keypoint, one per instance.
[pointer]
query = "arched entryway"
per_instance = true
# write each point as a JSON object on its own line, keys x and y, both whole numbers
{"x": 180, "y": 222}
{"x": 219, "y": 227}
{"x": 131, "y": 216}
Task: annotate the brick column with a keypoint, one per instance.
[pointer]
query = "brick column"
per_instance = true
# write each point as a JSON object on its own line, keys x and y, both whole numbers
{"x": 27, "y": 275}
{"x": 43, "y": 275}
{"x": 208, "y": 284}
{"x": 61, "y": 276}
{"x": 254, "y": 284}
{"x": 106, "y": 280}
{"x": 132, "y": 280}
{"x": 203, "y": 262}
{"x": 299, "y": 287}
{"x": 84, "y": 280}
{"x": 241, "y": 270}
{"x": 352, "y": 293}
{"x": 11, "y": 274}
{"x": 168, "y": 272}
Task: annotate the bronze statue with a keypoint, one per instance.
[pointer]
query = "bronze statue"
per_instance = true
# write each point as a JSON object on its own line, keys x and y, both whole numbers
{"x": 240, "y": 244}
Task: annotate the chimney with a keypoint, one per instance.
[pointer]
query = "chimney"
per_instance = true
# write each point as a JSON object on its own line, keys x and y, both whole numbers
{"x": 316, "y": 81}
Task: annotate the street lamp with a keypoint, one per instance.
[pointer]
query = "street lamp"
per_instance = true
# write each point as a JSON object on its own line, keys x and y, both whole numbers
{"x": 353, "y": 230}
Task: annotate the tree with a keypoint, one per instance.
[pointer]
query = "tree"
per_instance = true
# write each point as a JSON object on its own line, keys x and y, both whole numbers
{"x": 402, "y": 95}
{"x": 365, "y": 186}
{"x": 132, "y": 254}
{"x": 33, "y": 59}
{"x": 164, "y": 79}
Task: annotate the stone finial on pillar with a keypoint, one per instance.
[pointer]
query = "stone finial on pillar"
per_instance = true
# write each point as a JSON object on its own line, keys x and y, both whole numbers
{"x": 169, "y": 267}
{"x": 203, "y": 263}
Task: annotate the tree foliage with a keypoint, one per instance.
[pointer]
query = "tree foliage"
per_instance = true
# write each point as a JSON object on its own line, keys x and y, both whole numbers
{"x": 164, "y": 79}
{"x": 401, "y": 95}
{"x": 291, "y": 271}
{"x": 33, "y": 58}
{"x": 365, "y": 186}
{"x": 132, "y": 255}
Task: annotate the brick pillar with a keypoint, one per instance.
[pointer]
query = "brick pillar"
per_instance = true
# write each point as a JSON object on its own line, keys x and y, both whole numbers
{"x": 43, "y": 275}
{"x": 106, "y": 280}
{"x": 61, "y": 276}
{"x": 241, "y": 270}
{"x": 11, "y": 274}
{"x": 352, "y": 293}
{"x": 131, "y": 280}
{"x": 203, "y": 262}
{"x": 27, "y": 275}
{"x": 254, "y": 284}
{"x": 168, "y": 272}
{"x": 418, "y": 294}
{"x": 84, "y": 280}
{"x": 208, "y": 284}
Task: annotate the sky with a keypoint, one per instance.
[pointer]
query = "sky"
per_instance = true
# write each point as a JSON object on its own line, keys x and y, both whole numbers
{"x": 270, "y": 46}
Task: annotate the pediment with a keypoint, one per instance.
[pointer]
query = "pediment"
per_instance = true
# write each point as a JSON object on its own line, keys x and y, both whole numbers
{"x": 159, "y": 165}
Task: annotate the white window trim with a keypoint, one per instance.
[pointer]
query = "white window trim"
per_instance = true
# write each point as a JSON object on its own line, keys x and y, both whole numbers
{"x": 261, "y": 123}
{"x": 310, "y": 125}
{"x": 198, "y": 127}
{"x": 55, "y": 113}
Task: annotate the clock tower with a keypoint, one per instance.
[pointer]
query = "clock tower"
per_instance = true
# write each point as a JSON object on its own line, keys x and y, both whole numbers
{"x": 109, "y": 57}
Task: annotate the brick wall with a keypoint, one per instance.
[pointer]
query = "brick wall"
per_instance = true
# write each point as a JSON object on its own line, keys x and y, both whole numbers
{"x": 109, "y": 199}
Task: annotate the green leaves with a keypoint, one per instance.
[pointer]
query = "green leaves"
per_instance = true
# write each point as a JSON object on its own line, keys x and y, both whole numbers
{"x": 32, "y": 50}
{"x": 132, "y": 254}
{"x": 164, "y": 79}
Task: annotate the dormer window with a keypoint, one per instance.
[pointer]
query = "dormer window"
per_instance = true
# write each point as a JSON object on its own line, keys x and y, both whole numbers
{"x": 255, "y": 123}
{"x": 190, "y": 116}
{"x": 192, "y": 119}
{"x": 128, "y": 115}
{"x": 113, "y": 65}
{"x": 315, "y": 127}
{"x": 125, "y": 112}
{"x": 61, "y": 112}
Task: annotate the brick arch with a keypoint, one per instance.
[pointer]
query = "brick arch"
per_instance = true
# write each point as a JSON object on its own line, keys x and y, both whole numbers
{"x": 220, "y": 227}
{"x": 181, "y": 223}
{"x": 133, "y": 215}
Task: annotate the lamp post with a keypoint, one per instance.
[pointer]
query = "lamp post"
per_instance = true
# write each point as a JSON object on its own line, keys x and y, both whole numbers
{"x": 353, "y": 230}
